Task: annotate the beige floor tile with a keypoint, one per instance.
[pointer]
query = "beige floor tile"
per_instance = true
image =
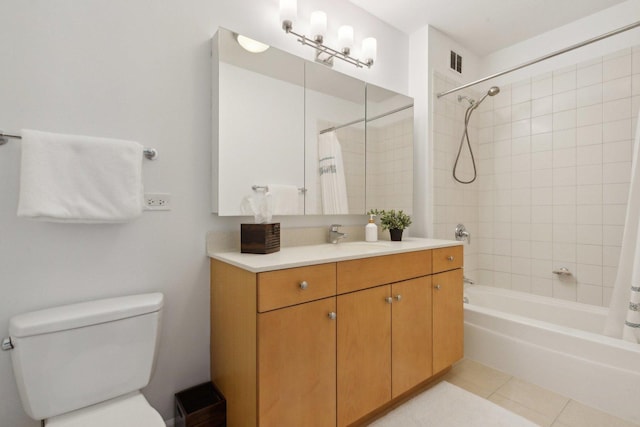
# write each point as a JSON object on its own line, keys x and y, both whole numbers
{"x": 471, "y": 387}
{"x": 558, "y": 424}
{"x": 578, "y": 415}
{"x": 482, "y": 376}
{"x": 533, "y": 397}
{"x": 523, "y": 411}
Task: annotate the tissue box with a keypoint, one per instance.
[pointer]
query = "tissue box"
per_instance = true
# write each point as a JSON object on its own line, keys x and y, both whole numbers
{"x": 260, "y": 238}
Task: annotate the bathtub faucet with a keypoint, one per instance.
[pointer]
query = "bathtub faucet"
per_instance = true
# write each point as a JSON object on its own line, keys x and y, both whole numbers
{"x": 462, "y": 233}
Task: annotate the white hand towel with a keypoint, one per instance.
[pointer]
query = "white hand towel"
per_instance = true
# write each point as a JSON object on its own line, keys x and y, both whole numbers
{"x": 72, "y": 178}
{"x": 285, "y": 199}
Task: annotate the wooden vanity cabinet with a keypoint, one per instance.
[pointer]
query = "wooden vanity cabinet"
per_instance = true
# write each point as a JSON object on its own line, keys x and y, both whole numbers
{"x": 328, "y": 344}
{"x": 448, "y": 310}
{"x": 297, "y": 365}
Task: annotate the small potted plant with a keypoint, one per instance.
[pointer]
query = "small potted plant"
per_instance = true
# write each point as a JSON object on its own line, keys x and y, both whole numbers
{"x": 394, "y": 221}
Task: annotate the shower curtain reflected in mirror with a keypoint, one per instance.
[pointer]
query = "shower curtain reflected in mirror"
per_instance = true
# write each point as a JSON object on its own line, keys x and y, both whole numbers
{"x": 623, "y": 320}
{"x": 333, "y": 184}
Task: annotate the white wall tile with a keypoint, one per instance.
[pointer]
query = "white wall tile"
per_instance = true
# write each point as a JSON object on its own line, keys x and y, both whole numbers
{"x": 542, "y": 251}
{"x": 564, "y": 120}
{"x": 542, "y": 106}
{"x": 617, "y": 67}
{"x": 521, "y": 92}
{"x": 564, "y": 101}
{"x": 589, "y": 174}
{"x": 590, "y": 214}
{"x": 589, "y": 294}
{"x": 542, "y": 142}
{"x": 564, "y": 138}
{"x": 615, "y": 193}
{"x": 616, "y": 110}
{"x": 589, "y": 135}
{"x": 590, "y": 115}
{"x": 542, "y": 124}
{"x": 541, "y": 178}
{"x": 589, "y": 254}
{"x": 612, "y": 235}
{"x": 523, "y": 127}
{"x": 541, "y": 88}
{"x": 589, "y": 234}
{"x": 616, "y": 173}
{"x": 614, "y": 214}
{"x": 616, "y": 131}
{"x": 590, "y": 75}
{"x": 589, "y": 195}
{"x": 589, "y": 155}
{"x": 589, "y": 95}
{"x": 616, "y": 89}
{"x": 542, "y": 286}
{"x": 589, "y": 274}
{"x": 564, "y": 81}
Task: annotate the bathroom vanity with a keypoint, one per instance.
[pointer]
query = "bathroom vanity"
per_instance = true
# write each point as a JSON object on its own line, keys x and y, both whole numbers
{"x": 328, "y": 335}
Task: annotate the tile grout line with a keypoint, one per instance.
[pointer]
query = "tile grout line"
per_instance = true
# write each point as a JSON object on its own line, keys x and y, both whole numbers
{"x": 561, "y": 411}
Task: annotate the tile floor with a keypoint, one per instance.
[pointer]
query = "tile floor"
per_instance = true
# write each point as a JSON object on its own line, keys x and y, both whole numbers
{"x": 539, "y": 405}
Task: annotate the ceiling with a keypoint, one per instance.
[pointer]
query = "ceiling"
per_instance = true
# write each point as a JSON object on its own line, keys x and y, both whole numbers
{"x": 483, "y": 26}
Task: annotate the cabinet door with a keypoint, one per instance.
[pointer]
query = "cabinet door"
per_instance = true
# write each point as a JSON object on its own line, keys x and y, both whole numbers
{"x": 364, "y": 352}
{"x": 297, "y": 365}
{"x": 411, "y": 349}
{"x": 448, "y": 319}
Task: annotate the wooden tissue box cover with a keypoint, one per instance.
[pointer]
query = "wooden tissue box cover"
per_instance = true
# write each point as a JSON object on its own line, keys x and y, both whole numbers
{"x": 260, "y": 238}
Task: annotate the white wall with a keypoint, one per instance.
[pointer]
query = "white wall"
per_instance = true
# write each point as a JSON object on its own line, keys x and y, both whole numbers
{"x": 136, "y": 70}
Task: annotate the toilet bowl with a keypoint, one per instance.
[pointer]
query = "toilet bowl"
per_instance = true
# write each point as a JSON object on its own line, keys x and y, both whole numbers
{"x": 99, "y": 355}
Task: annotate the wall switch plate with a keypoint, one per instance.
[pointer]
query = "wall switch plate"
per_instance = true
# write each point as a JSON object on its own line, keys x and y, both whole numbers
{"x": 157, "y": 202}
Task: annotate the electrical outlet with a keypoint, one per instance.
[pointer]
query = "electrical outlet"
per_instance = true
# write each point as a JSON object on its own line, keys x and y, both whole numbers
{"x": 157, "y": 201}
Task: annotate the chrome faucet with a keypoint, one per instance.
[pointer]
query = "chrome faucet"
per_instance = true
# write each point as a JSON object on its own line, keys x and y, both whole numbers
{"x": 462, "y": 233}
{"x": 334, "y": 234}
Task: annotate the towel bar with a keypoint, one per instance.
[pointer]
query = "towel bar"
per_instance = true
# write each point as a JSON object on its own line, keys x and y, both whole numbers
{"x": 149, "y": 153}
{"x": 266, "y": 188}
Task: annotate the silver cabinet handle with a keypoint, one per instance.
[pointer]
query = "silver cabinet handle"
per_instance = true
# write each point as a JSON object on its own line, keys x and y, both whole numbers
{"x": 398, "y": 297}
{"x": 389, "y": 300}
{"x": 304, "y": 285}
{"x": 438, "y": 287}
{"x": 333, "y": 315}
{"x": 450, "y": 258}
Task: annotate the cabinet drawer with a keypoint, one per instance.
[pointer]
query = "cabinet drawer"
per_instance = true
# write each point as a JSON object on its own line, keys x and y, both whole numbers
{"x": 445, "y": 259}
{"x": 281, "y": 288}
{"x": 365, "y": 273}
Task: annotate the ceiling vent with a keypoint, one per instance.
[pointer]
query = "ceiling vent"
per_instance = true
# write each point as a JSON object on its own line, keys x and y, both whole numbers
{"x": 456, "y": 62}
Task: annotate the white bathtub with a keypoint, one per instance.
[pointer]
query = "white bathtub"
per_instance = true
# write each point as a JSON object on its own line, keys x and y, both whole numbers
{"x": 555, "y": 344}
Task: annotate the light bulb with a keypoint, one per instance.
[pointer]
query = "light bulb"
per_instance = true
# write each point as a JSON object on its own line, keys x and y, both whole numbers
{"x": 288, "y": 13}
{"x": 369, "y": 50}
{"x": 318, "y": 25}
{"x": 345, "y": 38}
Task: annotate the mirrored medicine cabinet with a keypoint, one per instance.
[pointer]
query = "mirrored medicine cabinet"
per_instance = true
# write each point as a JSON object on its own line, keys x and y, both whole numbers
{"x": 347, "y": 146}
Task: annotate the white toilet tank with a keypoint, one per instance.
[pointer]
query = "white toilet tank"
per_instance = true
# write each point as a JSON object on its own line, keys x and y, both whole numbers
{"x": 65, "y": 358}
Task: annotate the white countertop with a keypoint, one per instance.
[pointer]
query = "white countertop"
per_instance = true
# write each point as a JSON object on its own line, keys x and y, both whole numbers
{"x": 299, "y": 256}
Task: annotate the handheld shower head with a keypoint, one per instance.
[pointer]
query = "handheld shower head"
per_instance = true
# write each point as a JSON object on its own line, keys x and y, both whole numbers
{"x": 493, "y": 91}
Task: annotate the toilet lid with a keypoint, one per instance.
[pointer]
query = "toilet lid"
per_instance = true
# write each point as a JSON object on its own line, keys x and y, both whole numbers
{"x": 131, "y": 410}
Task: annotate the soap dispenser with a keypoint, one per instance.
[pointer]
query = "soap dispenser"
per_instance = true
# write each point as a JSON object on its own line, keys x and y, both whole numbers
{"x": 371, "y": 230}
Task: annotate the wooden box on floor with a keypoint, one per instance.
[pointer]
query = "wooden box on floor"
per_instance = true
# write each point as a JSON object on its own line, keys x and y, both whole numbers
{"x": 201, "y": 406}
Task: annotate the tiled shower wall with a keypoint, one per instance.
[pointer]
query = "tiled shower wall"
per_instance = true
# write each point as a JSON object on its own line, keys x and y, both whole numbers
{"x": 390, "y": 164}
{"x": 554, "y": 158}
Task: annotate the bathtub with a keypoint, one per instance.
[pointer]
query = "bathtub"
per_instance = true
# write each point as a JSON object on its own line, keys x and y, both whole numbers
{"x": 555, "y": 344}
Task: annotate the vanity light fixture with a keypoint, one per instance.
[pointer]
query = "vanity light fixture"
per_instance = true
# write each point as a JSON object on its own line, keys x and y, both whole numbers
{"x": 318, "y": 28}
{"x": 251, "y": 45}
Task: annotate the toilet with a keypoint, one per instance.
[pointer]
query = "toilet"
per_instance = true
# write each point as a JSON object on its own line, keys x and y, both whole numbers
{"x": 84, "y": 364}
